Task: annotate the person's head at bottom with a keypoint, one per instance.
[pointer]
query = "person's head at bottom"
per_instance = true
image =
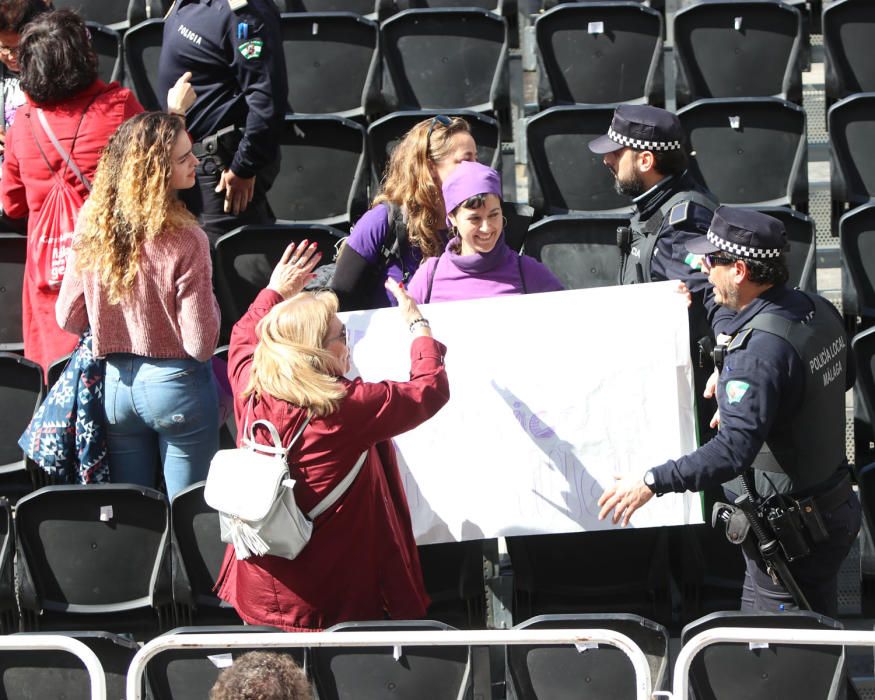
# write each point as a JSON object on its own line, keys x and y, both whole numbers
{"x": 262, "y": 675}
{"x": 472, "y": 194}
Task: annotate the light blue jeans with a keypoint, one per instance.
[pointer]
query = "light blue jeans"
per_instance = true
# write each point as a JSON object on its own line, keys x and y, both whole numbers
{"x": 160, "y": 413}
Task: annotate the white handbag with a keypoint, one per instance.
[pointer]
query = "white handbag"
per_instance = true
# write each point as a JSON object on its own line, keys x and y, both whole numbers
{"x": 251, "y": 488}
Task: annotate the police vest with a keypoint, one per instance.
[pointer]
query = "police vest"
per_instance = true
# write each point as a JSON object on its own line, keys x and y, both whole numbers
{"x": 809, "y": 448}
{"x": 636, "y": 253}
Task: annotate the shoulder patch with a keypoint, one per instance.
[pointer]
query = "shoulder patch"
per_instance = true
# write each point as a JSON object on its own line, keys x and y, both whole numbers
{"x": 237, "y": 4}
{"x": 736, "y": 389}
{"x": 251, "y": 49}
{"x": 678, "y": 213}
{"x": 739, "y": 339}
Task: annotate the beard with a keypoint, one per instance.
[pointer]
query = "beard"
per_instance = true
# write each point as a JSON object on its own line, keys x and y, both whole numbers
{"x": 633, "y": 186}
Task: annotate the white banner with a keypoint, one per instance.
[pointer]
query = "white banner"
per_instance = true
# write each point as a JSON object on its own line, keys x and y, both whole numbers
{"x": 552, "y": 395}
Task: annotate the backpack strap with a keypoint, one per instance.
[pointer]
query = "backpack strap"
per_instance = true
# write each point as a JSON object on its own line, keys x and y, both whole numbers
{"x": 338, "y": 490}
{"x": 431, "y": 274}
{"x": 395, "y": 243}
{"x": 519, "y": 261}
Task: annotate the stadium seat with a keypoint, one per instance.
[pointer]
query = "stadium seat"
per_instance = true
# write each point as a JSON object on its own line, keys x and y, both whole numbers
{"x": 56, "y": 369}
{"x": 113, "y": 12}
{"x": 445, "y": 58}
{"x": 735, "y": 138}
{"x": 519, "y": 219}
{"x": 21, "y": 392}
{"x": 801, "y": 258}
{"x": 864, "y": 349}
{"x": 198, "y": 552}
{"x": 13, "y": 254}
{"x": 857, "y": 243}
{"x": 246, "y": 256}
{"x": 559, "y": 574}
{"x": 564, "y": 175}
{"x": 747, "y": 48}
{"x": 366, "y": 673}
{"x": 94, "y": 557}
{"x": 188, "y": 674}
{"x": 496, "y": 6}
{"x": 603, "y": 671}
{"x": 45, "y": 673}
{"x": 333, "y": 63}
{"x": 580, "y": 249}
{"x": 323, "y": 178}
{"x": 863, "y": 345}
{"x": 848, "y": 27}
{"x": 385, "y": 133}
{"x": 372, "y": 9}
{"x": 141, "y": 48}
{"x": 8, "y": 604}
{"x": 711, "y": 570}
{"x": 453, "y": 575}
{"x": 775, "y": 671}
{"x": 851, "y": 129}
{"x": 107, "y": 45}
{"x": 228, "y": 430}
{"x": 599, "y": 53}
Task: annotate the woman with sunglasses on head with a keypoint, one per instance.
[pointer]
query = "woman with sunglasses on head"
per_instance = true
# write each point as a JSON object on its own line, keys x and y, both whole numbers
{"x": 286, "y": 362}
{"x": 477, "y": 262}
{"x": 406, "y": 223}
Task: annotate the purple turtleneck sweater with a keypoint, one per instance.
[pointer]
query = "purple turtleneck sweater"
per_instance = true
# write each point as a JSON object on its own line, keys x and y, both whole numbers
{"x": 480, "y": 275}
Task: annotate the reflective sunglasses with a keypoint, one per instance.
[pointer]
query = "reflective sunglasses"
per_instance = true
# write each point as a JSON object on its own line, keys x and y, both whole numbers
{"x": 437, "y": 119}
{"x": 712, "y": 260}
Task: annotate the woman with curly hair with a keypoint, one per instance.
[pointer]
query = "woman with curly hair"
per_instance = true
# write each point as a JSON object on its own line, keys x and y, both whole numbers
{"x": 58, "y": 72}
{"x": 406, "y": 223}
{"x": 140, "y": 276}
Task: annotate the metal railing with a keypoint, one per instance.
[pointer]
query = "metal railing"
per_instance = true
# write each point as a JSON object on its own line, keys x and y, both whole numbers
{"x": 396, "y": 639}
{"x": 58, "y": 642}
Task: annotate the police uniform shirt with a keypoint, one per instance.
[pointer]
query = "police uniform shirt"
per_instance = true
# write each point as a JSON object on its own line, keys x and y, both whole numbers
{"x": 759, "y": 392}
{"x": 238, "y": 72}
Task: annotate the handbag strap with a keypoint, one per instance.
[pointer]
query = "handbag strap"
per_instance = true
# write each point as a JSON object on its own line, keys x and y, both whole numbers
{"x": 66, "y": 157}
{"x": 277, "y": 447}
{"x": 338, "y": 490}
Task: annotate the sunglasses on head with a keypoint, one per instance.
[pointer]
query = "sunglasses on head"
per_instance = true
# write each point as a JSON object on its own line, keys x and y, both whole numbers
{"x": 437, "y": 119}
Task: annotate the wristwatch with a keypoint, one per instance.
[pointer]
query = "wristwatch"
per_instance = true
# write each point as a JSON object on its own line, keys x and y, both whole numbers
{"x": 650, "y": 480}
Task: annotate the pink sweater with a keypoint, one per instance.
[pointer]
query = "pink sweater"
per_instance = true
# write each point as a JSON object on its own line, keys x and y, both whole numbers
{"x": 171, "y": 311}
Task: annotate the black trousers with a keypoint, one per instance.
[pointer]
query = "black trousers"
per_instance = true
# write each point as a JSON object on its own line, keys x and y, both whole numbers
{"x": 816, "y": 574}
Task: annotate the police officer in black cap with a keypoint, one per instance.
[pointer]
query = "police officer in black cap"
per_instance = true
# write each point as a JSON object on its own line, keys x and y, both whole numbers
{"x": 645, "y": 150}
{"x": 781, "y": 394}
{"x": 233, "y": 49}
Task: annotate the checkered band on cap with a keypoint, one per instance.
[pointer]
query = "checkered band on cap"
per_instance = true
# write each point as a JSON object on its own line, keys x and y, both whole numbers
{"x": 742, "y": 251}
{"x": 641, "y": 145}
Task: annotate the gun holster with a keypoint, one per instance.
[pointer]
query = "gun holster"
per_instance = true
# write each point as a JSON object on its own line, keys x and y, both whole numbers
{"x": 735, "y": 521}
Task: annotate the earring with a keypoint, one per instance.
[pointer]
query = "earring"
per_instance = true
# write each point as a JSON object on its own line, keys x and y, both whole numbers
{"x": 455, "y": 232}
{"x": 504, "y": 222}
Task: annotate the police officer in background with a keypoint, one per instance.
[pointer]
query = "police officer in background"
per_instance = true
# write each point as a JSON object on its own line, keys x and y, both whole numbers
{"x": 645, "y": 150}
{"x": 233, "y": 49}
{"x": 781, "y": 395}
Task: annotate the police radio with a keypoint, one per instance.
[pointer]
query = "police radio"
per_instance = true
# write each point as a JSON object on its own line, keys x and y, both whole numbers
{"x": 624, "y": 238}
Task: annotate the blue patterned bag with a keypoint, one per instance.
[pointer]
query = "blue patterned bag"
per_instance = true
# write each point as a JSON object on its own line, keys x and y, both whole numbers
{"x": 67, "y": 435}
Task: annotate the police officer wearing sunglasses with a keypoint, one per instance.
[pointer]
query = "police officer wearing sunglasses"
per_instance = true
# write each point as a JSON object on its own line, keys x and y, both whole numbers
{"x": 781, "y": 394}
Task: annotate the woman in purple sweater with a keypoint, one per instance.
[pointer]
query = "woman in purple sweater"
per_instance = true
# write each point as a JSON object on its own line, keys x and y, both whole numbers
{"x": 477, "y": 262}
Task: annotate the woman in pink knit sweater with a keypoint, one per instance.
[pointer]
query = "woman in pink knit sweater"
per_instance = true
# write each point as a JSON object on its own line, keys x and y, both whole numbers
{"x": 140, "y": 276}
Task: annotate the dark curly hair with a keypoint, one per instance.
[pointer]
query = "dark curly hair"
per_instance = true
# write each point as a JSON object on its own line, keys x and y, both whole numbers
{"x": 262, "y": 675}
{"x": 56, "y": 57}
{"x": 15, "y": 14}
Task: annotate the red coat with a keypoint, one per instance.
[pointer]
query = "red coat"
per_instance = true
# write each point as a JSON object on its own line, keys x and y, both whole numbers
{"x": 361, "y": 562}
{"x": 27, "y": 180}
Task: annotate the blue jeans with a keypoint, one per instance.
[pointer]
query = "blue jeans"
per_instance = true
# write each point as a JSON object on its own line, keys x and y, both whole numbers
{"x": 160, "y": 412}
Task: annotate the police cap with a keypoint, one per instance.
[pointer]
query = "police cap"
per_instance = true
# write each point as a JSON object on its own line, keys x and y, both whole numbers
{"x": 742, "y": 233}
{"x": 641, "y": 127}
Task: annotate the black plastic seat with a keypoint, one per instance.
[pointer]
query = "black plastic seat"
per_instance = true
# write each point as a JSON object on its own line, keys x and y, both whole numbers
{"x": 94, "y": 557}
{"x": 366, "y": 8}
{"x": 776, "y": 671}
{"x": 496, "y": 6}
{"x": 180, "y": 674}
{"x": 141, "y": 47}
{"x": 857, "y": 243}
{"x": 333, "y": 63}
{"x": 366, "y": 673}
{"x": 21, "y": 392}
{"x": 605, "y": 672}
{"x": 13, "y": 255}
{"x": 599, "y": 53}
{"x": 385, "y": 133}
{"x": 736, "y": 138}
{"x": 747, "y": 48}
{"x": 445, "y": 58}
{"x": 453, "y": 576}
{"x": 555, "y": 573}
{"x": 114, "y": 12}
{"x": 564, "y": 176}
{"x": 851, "y": 128}
{"x": 848, "y": 27}
{"x": 198, "y": 552}
{"x": 107, "y": 44}
{"x": 8, "y": 604}
{"x": 863, "y": 345}
{"x": 802, "y": 256}
{"x": 323, "y": 178}
{"x": 246, "y": 256}
{"x": 580, "y": 249}
{"x": 44, "y": 673}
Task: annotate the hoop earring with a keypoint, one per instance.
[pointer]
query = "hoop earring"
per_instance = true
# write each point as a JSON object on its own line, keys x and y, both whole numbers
{"x": 504, "y": 222}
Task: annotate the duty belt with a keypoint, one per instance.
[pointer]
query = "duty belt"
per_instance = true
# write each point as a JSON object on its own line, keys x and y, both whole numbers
{"x": 833, "y": 497}
{"x": 209, "y": 145}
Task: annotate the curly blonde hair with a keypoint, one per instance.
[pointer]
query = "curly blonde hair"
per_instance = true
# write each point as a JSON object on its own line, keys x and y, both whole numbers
{"x": 290, "y": 361}
{"x": 131, "y": 201}
{"x": 408, "y": 181}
